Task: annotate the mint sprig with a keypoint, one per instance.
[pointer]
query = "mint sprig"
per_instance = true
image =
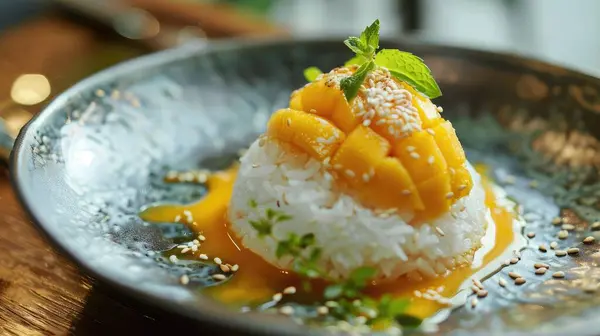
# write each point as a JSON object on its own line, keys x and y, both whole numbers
{"x": 402, "y": 65}
{"x": 409, "y": 68}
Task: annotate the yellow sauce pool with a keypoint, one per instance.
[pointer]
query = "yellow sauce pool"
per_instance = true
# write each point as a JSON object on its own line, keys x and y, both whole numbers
{"x": 256, "y": 281}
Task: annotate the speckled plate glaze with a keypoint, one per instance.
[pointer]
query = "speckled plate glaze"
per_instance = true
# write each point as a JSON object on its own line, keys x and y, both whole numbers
{"x": 85, "y": 166}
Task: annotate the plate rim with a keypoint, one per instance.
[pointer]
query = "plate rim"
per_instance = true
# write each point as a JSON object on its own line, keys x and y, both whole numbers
{"x": 208, "y": 312}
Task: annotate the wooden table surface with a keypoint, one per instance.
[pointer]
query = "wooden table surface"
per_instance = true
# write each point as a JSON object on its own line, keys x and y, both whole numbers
{"x": 41, "y": 292}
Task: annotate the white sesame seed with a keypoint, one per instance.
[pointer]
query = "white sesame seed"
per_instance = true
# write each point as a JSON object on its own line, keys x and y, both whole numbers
{"x": 462, "y": 187}
{"x": 475, "y": 289}
{"x": 430, "y": 160}
{"x": 185, "y": 250}
{"x": 277, "y": 297}
{"x": 482, "y": 293}
{"x": 203, "y": 256}
{"x": 573, "y": 250}
{"x": 449, "y": 195}
{"x": 337, "y": 166}
{"x": 289, "y": 122}
{"x": 563, "y": 234}
{"x": 439, "y": 231}
{"x": 217, "y": 261}
{"x": 590, "y": 289}
{"x": 196, "y": 242}
{"x": 558, "y": 275}
{"x": 553, "y": 245}
{"x": 312, "y": 111}
{"x": 530, "y": 234}
{"x": 514, "y": 260}
{"x": 331, "y": 304}
{"x": 514, "y": 275}
{"x": 177, "y": 218}
{"x": 541, "y": 271}
{"x": 224, "y": 268}
{"x": 440, "y": 109}
{"x": 181, "y": 246}
{"x": 589, "y": 240}
{"x": 366, "y": 177}
{"x": 405, "y": 192}
{"x": 542, "y": 248}
{"x": 219, "y": 277}
{"x": 173, "y": 258}
{"x": 235, "y": 267}
{"x": 520, "y": 281}
{"x": 560, "y": 253}
{"x": 430, "y": 131}
{"x": 286, "y": 310}
{"x": 541, "y": 265}
{"x": 474, "y": 302}
{"x": 414, "y": 155}
{"x": 595, "y": 226}
{"x": 568, "y": 227}
{"x": 502, "y": 282}
{"x": 418, "y": 293}
{"x": 556, "y": 221}
{"x": 366, "y": 123}
{"x": 184, "y": 279}
{"x": 194, "y": 248}
{"x": 322, "y": 310}
{"x": 477, "y": 283}
{"x": 187, "y": 213}
{"x": 350, "y": 173}
{"x": 289, "y": 290}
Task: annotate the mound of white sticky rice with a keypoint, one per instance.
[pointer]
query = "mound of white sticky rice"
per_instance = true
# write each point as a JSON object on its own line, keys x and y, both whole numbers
{"x": 349, "y": 235}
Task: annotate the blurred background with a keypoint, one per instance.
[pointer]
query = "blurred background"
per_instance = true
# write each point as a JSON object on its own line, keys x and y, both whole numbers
{"x": 47, "y": 45}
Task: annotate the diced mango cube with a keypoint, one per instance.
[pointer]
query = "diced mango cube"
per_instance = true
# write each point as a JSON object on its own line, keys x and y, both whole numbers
{"x": 428, "y": 112}
{"x": 358, "y": 156}
{"x": 296, "y": 100}
{"x": 461, "y": 180}
{"x": 421, "y": 156}
{"x": 391, "y": 187}
{"x": 320, "y": 98}
{"x": 436, "y": 195}
{"x": 342, "y": 115}
{"x": 311, "y": 133}
{"x": 447, "y": 141}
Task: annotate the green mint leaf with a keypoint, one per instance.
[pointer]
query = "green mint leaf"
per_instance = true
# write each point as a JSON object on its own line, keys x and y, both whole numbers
{"x": 282, "y": 217}
{"x": 307, "y": 240}
{"x": 315, "y": 254}
{"x": 361, "y": 275}
{"x": 408, "y": 321}
{"x": 350, "y": 85}
{"x": 311, "y": 273}
{"x": 409, "y": 68}
{"x": 311, "y": 73}
{"x": 283, "y": 249}
{"x": 350, "y": 292}
{"x": 270, "y": 213}
{"x": 356, "y": 45}
{"x": 261, "y": 226}
{"x": 252, "y": 203}
{"x": 370, "y": 37}
{"x": 398, "y": 306}
{"x": 356, "y": 60}
{"x": 333, "y": 291}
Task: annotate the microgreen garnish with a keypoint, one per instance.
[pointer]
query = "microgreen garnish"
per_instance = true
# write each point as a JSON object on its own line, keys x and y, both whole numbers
{"x": 311, "y": 73}
{"x": 350, "y": 302}
{"x": 402, "y": 65}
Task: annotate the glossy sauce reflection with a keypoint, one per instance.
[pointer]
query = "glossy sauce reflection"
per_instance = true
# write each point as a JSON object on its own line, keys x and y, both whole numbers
{"x": 256, "y": 281}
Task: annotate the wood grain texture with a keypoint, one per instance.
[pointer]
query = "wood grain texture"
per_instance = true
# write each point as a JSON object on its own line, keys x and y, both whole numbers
{"x": 41, "y": 292}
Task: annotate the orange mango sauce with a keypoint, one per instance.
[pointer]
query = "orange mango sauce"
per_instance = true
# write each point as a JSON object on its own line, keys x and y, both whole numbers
{"x": 256, "y": 280}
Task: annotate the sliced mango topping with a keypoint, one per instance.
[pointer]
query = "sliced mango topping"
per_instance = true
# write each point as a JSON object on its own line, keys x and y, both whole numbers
{"x": 311, "y": 133}
{"x": 386, "y": 159}
{"x": 421, "y": 156}
{"x": 358, "y": 156}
